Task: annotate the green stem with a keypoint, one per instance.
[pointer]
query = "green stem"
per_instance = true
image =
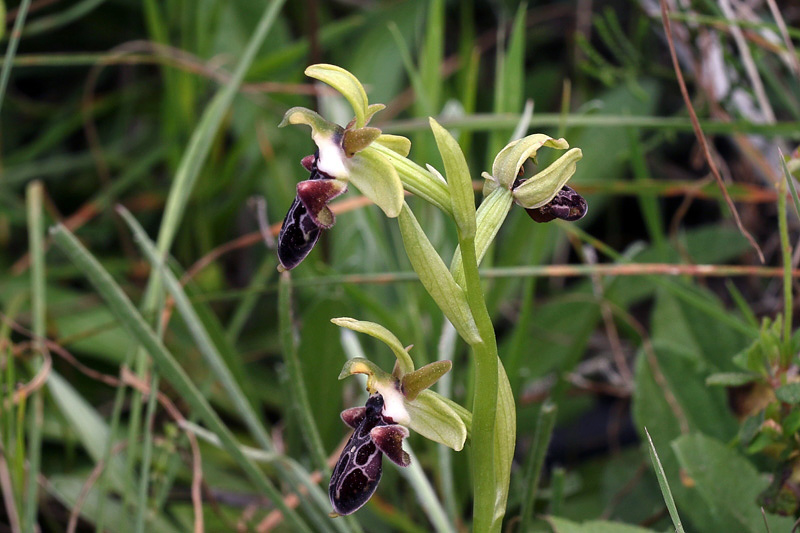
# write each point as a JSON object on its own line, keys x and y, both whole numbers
{"x": 786, "y": 248}
{"x": 484, "y": 408}
{"x": 302, "y": 405}
{"x": 147, "y": 456}
{"x": 35, "y": 195}
{"x": 11, "y": 50}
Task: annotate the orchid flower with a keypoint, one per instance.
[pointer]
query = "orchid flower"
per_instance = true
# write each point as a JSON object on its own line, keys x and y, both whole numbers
{"x": 397, "y": 401}
{"x": 344, "y": 155}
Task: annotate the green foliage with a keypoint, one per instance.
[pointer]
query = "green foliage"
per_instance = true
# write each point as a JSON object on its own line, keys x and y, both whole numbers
{"x": 171, "y": 108}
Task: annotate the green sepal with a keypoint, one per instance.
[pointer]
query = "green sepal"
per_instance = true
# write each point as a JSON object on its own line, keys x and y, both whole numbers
{"x": 434, "y": 419}
{"x": 378, "y": 180}
{"x": 417, "y": 381}
{"x": 416, "y": 179}
{"x": 459, "y": 182}
{"x": 505, "y": 168}
{"x": 357, "y": 139}
{"x": 349, "y": 87}
{"x": 395, "y": 143}
{"x": 319, "y": 126}
{"x": 360, "y": 365}
{"x": 436, "y": 278}
{"x": 404, "y": 362}
{"x": 543, "y": 186}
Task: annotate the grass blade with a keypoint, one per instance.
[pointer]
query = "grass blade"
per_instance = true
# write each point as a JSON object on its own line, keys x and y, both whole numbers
{"x": 35, "y": 196}
{"x": 11, "y": 50}
{"x": 297, "y": 384}
{"x": 216, "y": 362}
{"x": 425, "y": 494}
{"x": 533, "y": 471}
{"x": 664, "y": 484}
{"x": 133, "y": 322}
{"x": 201, "y": 337}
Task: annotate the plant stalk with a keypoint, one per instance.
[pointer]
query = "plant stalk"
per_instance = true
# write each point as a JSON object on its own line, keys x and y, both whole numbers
{"x": 484, "y": 407}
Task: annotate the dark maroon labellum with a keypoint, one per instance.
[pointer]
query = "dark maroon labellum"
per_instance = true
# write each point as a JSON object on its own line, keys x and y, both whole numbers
{"x": 358, "y": 470}
{"x": 567, "y": 205}
{"x": 301, "y": 227}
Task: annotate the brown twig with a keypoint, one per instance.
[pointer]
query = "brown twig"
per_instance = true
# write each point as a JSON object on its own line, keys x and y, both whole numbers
{"x": 94, "y": 475}
{"x": 34, "y": 384}
{"x": 129, "y": 379}
{"x": 787, "y": 41}
{"x": 699, "y": 132}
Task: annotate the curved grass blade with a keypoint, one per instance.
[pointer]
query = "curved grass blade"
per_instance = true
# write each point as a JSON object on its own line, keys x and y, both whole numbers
{"x": 121, "y": 306}
{"x": 664, "y": 484}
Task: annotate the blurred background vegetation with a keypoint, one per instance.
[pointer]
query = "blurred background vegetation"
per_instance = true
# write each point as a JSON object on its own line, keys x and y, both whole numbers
{"x": 143, "y": 104}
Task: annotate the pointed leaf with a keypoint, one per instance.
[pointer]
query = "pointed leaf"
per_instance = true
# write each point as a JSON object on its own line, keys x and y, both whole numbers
{"x": 436, "y": 278}
{"x": 459, "y": 181}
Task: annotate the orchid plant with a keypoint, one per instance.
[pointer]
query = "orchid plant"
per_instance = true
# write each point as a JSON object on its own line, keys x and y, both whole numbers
{"x": 377, "y": 165}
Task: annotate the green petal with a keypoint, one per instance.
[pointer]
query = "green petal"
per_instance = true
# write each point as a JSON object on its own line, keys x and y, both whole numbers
{"x": 381, "y": 333}
{"x": 357, "y": 139}
{"x": 376, "y": 178}
{"x": 421, "y": 379}
{"x": 432, "y": 418}
{"x": 395, "y": 143}
{"x": 348, "y": 85}
{"x": 541, "y": 188}
{"x": 371, "y": 110}
{"x": 375, "y": 374}
{"x": 319, "y": 126}
{"x": 505, "y": 168}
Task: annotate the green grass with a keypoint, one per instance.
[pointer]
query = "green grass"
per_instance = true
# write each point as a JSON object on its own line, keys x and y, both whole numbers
{"x": 590, "y": 318}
